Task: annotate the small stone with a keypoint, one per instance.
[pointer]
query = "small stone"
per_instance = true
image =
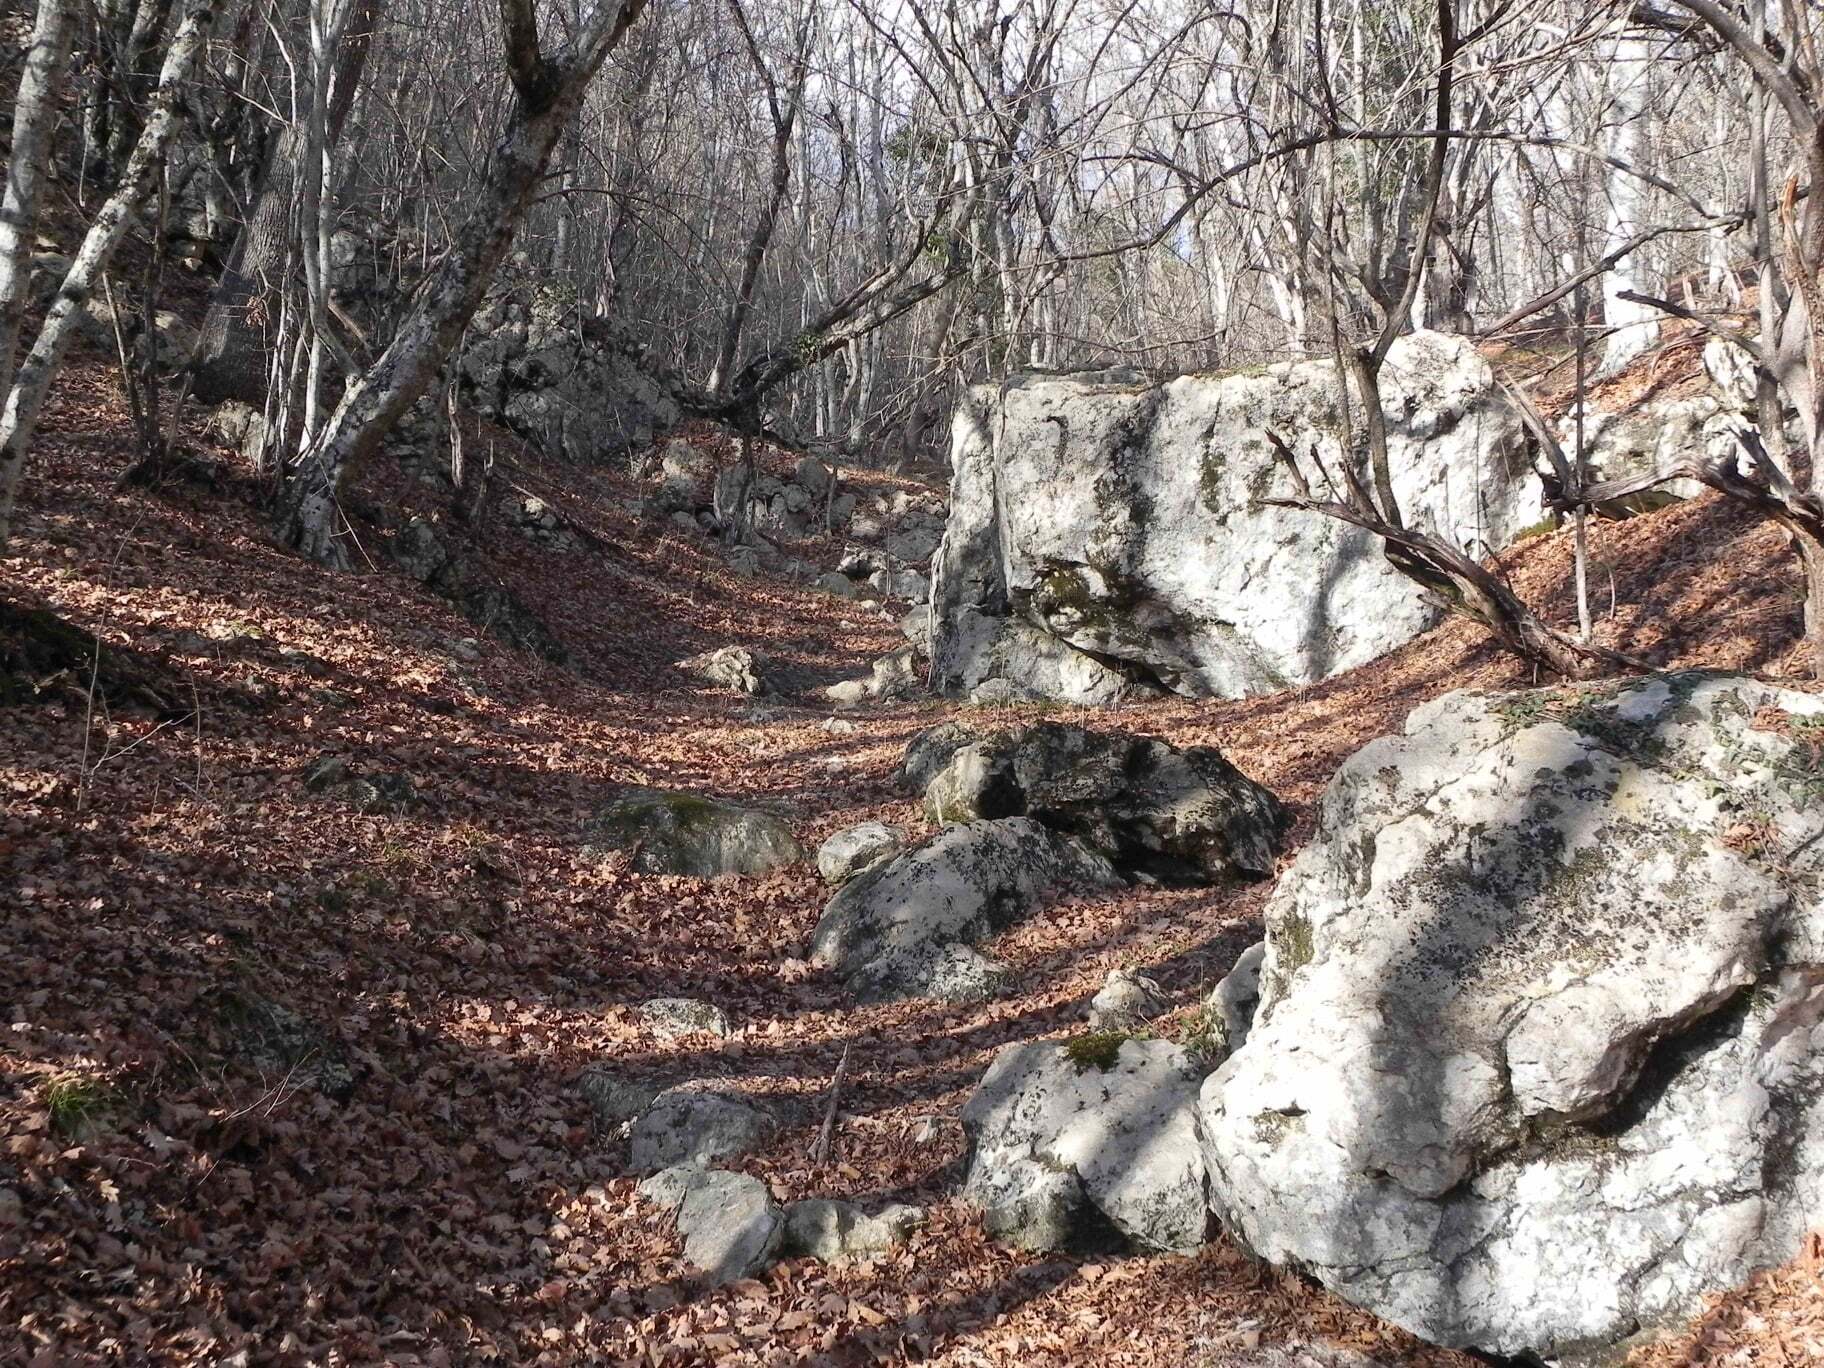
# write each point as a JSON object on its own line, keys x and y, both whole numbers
{"x": 857, "y": 849}
{"x": 1127, "y": 999}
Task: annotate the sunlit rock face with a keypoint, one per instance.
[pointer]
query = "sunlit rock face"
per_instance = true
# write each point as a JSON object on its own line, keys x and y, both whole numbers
{"x": 1538, "y": 1054}
{"x": 1108, "y": 535}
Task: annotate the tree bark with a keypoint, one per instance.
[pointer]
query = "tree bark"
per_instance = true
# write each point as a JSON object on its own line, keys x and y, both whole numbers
{"x": 34, "y": 119}
{"x": 26, "y": 397}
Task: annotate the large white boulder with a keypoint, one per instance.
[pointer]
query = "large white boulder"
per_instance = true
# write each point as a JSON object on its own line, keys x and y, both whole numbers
{"x": 1072, "y": 1144}
{"x": 1538, "y": 1054}
{"x": 1107, "y": 535}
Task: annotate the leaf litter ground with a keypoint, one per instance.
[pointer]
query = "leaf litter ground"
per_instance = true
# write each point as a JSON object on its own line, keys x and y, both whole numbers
{"x": 170, "y": 1191}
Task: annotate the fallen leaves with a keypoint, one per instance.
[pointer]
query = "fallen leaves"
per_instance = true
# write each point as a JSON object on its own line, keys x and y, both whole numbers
{"x": 463, "y": 1204}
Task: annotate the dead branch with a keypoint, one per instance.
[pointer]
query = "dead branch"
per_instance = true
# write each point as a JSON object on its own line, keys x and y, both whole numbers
{"x": 1460, "y": 585}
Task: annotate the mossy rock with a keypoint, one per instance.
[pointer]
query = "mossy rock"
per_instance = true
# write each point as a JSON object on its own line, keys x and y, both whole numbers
{"x": 684, "y": 833}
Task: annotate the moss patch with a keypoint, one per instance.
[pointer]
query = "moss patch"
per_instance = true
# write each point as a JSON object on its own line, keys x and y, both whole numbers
{"x": 1098, "y": 1049}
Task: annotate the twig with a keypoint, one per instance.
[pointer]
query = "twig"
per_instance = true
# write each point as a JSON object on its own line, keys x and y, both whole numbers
{"x": 821, "y": 1147}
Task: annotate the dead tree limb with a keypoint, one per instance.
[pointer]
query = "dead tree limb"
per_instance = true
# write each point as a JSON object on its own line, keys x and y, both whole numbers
{"x": 1459, "y": 584}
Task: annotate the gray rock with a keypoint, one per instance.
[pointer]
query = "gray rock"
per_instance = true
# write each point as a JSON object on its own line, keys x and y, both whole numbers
{"x": 1064, "y": 1148}
{"x": 445, "y": 569}
{"x": 1651, "y": 435}
{"x": 928, "y": 752}
{"x": 730, "y": 1224}
{"x": 914, "y": 545}
{"x": 1539, "y": 1052}
{"x": 840, "y": 1232}
{"x": 730, "y": 667}
{"x": 616, "y": 1099}
{"x": 880, "y": 930}
{"x": 1290, "y": 1356}
{"x": 842, "y": 509}
{"x": 860, "y": 563}
{"x": 916, "y": 627}
{"x": 992, "y": 659}
{"x": 855, "y": 849}
{"x": 811, "y": 475}
{"x": 681, "y": 833}
{"x": 1124, "y": 524}
{"x": 287, "y": 1049}
{"x": 948, "y": 972}
{"x": 1187, "y": 816}
{"x": 700, "y": 1126}
{"x": 1229, "y": 1009}
{"x": 1126, "y": 1000}
{"x": 837, "y": 583}
{"x": 671, "y": 1017}
{"x": 894, "y": 676}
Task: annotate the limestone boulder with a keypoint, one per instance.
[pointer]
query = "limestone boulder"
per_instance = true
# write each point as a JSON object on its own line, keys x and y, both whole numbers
{"x": 1080, "y": 1145}
{"x": 682, "y": 833}
{"x": 1145, "y": 805}
{"x": 888, "y": 933}
{"x": 730, "y": 1224}
{"x": 841, "y": 1232}
{"x": 1106, "y": 532}
{"x": 698, "y": 1126}
{"x": 1539, "y": 1050}
{"x": 731, "y": 667}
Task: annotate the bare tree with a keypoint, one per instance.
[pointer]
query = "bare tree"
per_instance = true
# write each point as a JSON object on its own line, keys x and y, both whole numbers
{"x": 31, "y": 384}
{"x": 547, "y": 91}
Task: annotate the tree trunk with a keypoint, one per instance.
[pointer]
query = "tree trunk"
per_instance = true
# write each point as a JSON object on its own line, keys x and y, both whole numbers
{"x": 241, "y": 327}
{"x": 29, "y": 387}
{"x": 547, "y": 94}
{"x": 34, "y": 119}
{"x": 1633, "y": 327}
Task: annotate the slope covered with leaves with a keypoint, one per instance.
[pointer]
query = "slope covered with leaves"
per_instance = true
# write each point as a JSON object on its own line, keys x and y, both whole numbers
{"x": 292, "y": 1080}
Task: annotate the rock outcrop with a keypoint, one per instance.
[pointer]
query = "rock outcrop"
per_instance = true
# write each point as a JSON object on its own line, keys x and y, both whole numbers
{"x": 697, "y": 1126}
{"x": 681, "y": 833}
{"x": 730, "y": 1224}
{"x": 1540, "y": 1044}
{"x": 442, "y": 566}
{"x": 1087, "y": 1144}
{"x": 905, "y": 927}
{"x": 1108, "y": 535}
{"x": 1188, "y": 816}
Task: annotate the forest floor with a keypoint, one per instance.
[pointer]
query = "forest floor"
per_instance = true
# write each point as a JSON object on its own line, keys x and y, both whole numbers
{"x": 164, "y": 1197}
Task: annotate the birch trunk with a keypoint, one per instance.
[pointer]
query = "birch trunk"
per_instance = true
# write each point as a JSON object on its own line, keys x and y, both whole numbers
{"x": 26, "y": 398}
{"x": 34, "y": 120}
{"x": 1633, "y": 327}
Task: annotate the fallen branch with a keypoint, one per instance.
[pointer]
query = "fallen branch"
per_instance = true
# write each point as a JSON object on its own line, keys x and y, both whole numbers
{"x": 821, "y": 1148}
